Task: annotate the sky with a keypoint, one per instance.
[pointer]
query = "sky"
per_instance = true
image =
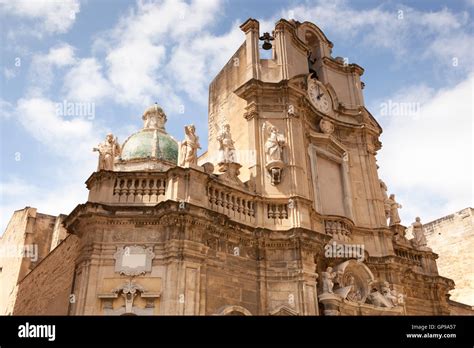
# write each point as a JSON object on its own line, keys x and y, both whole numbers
{"x": 117, "y": 57}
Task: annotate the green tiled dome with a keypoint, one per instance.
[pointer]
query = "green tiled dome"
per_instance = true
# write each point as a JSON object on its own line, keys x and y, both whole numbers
{"x": 150, "y": 143}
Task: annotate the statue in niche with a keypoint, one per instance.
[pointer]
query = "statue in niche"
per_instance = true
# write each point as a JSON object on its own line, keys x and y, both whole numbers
{"x": 189, "y": 147}
{"x": 226, "y": 145}
{"x": 419, "y": 240}
{"x": 108, "y": 150}
{"x": 274, "y": 144}
{"x": 328, "y": 280}
{"x": 394, "y": 206}
{"x": 386, "y": 203}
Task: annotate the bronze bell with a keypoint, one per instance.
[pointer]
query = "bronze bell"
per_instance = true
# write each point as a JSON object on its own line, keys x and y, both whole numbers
{"x": 266, "y": 38}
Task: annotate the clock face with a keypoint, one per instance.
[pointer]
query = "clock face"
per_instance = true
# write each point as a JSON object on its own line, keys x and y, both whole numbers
{"x": 319, "y": 97}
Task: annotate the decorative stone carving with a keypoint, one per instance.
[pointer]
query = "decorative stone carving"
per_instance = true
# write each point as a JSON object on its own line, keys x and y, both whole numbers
{"x": 208, "y": 168}
{"x": 354, "y": 293}
{"x": 419, "y": 239}
{"x": 251, "y": 111}
{"x": 274, "y": 144}
{"x": 326, "y": 126}
{"x": 129, "y": 292}
{"x": 385, "y": 297}
{"x": 133, "y": 260}
{"x": 188, "y": 147}
{"x": 353, "y": 281}
{"x": 108, "y": 150}
{"x": 394, "y": 206}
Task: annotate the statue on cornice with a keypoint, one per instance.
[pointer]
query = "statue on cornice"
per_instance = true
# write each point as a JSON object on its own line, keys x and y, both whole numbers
{"x": 108, "y": 150}
{"x": 189, "y": 147}
{"x": 226, "y": 145}
{"x": 386, "y": 203}
{"x": 419, "y": 240}
{"x": 394, "y": 206}
{"x": 328, "y": 280}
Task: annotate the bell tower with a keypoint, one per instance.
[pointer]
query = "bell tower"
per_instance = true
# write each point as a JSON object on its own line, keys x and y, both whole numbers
{"x": 302, "y": 132}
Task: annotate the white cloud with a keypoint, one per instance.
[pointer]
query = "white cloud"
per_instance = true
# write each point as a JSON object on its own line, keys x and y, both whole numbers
{"x": 49, "y": 16}
{"x": 406, "y": 32}
{"x": 9, "y": 73}
{"x": 6, "y": 109}
{"x": 427, "y": 158}
{"x": 194, "y": 63}
{"x": 42, "y": 67}
{"x": 67, "y": 136}
{"x": 133, "y": 68}
{"x": 85, "y": 81}
{"x": 162, "y": 48}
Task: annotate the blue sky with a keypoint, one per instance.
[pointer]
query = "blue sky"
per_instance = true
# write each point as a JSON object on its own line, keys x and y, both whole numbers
{"x": 120, "y": 56}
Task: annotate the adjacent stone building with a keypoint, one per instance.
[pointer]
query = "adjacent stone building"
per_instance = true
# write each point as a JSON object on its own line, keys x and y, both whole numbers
{"x": 285, "y": 213}
{"x": 452, "y": 238}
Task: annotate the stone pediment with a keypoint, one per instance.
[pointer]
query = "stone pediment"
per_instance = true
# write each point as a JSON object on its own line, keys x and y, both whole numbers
{"x": 327, "y": 145}
{"x": 283, "y": 311}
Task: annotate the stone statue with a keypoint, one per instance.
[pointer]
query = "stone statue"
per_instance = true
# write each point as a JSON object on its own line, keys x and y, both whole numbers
{"x": 389, "y": 294}
{"x": 108, "y": 150}
{"x": 189, "y": 147}
{"x": 274, "y": 152}
{"x": 419, "y": 240}
{"x": 226, "y": 145}
{"x": 386, "y": 203}
{"x": 394, "y": 206}
{"x": 274, "y": 145}
{"x": 328, "y": 278}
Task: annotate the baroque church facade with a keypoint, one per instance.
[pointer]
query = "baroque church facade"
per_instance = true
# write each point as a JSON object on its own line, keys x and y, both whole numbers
{"x": 285, "y": 213}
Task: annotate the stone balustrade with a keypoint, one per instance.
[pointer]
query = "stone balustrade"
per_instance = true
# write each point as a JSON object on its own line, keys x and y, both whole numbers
{"x": 234, "y": 204}
{"x": 338, "y": 228}
{"x": 151, "y": 188}
{"x": 141, "y": 189}
{"x": 127, "y": 187}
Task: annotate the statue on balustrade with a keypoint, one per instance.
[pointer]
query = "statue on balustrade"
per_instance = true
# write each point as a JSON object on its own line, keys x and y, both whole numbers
{"x": 419, "y": 241}
{"x": 394, "y": 206}
{"x": 108, "y": 150}
{"x": 189, "y": 147}
{"x": 226, "y": 145}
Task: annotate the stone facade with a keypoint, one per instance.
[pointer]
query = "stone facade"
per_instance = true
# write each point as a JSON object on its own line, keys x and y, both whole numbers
{"x": 283, "y": 215}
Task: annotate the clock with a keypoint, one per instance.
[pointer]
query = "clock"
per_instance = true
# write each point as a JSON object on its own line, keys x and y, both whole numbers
{"x": 319, "y": 96}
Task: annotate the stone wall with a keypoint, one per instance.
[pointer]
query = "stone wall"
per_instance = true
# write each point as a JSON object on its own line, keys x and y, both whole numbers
{"x": 27, "y": 240}
{"x": 46, "y": 290}
{"x": 10, "y": 264}
{"x": 452, "y": 238}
